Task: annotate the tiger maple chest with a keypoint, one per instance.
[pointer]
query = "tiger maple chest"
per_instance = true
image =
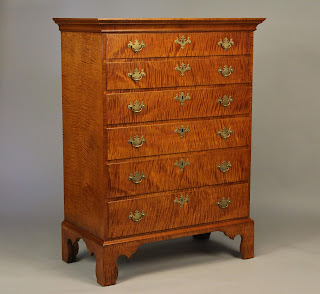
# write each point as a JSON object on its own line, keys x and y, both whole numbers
{"x": 156, "y": 133}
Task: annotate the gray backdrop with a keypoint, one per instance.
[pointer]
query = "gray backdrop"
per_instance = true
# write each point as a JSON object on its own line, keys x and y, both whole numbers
{"x": 285, "y": 157}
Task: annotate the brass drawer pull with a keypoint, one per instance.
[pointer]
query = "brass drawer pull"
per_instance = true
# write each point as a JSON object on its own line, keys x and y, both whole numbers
{"x": 136, "y": 46}
{"x": 182, "y": 98}
{"x": 181, "y": 201}
{"x": 136, "y": 107}
{"x": 136, "y": 141}
{"x": 182, "y": 130}
{"x": 224, "y": 203}
{"x": 137, "y": 216}
{"x": 226, "y": 44}
{"x": 225, "y": 133}
{"x": 136, "y": 75}
{"x": 183, "y": 68}
{"x": 137, "y": 178}
{"x": 183, "y": 41}
{"x": 224, "y": 167}
{"x": 225, "y": 100}
{"x": 226, "y": 71}
{"x": 182, "y": 164}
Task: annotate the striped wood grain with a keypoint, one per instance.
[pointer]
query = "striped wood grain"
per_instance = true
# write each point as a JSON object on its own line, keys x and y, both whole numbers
{"x": 162, "y": 139}
{"x": 163, "y": 214}
{"x": 161, "y": 105}
{"x": 163, "y": 45}
{"x": 161, "y": 73}
{"x": 161, "y": 174}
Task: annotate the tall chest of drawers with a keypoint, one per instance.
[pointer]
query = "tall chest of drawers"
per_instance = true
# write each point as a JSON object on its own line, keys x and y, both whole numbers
{"x": 156, "y": 133}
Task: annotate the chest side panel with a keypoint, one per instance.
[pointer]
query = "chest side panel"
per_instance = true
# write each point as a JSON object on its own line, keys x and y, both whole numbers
{"x": 83, "y": 149}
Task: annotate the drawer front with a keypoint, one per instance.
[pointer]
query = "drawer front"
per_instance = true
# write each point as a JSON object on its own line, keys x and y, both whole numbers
{"x": 178, "y": 171}
{"x": 177, "y": 137}
{"x": 177, "y": 104}
{"x": 167, "y": 73}
{"x": 171, "y": 44}
{"x": 169, "y": 210}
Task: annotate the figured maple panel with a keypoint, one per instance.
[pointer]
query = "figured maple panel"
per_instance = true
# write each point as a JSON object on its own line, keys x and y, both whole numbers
{"x": 162, "y": 138}
{"x": 162, "y": 174}
{"x": 162, "y": 73}
{"x": 83, "y": 153}
{"x": 161, "y": 213}
{"x": 164, "y": 45}
{"x": 162, "y": 105}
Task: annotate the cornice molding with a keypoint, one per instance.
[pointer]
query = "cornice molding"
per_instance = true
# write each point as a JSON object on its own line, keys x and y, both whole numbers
{"x": 105, "y": 25}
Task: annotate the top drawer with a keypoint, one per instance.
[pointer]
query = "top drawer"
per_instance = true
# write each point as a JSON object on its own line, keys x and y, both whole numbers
{"x": 177, "y": 44}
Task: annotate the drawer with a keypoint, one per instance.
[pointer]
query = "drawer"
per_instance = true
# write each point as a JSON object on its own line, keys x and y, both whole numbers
{"x": 172, "y": 44}
{"x": 178, "y": 171}
{"x": 173, "y": 210}
{"x": 168, "y": 73}
{"x": 183, "y": 136}
{"x": 177, "y": 104}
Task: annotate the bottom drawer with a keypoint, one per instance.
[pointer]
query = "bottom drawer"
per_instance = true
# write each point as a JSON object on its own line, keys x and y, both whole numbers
{"x": 169, "y": 210}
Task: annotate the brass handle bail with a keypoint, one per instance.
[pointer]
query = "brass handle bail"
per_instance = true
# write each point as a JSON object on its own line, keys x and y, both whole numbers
{"x": 137, "y": 178}
{"x": 137, "y": 216}
{"x": 225, "y": 133}
{"x": 224, "y": 203}
{"x": 136, "y": 75}
{"x": 226, "y": 44}
{"x": 225, "y": 100}
{"x": 136, "y": 141}
{"x": 225, "y": 71}
{"x": 136, "y": 107}
{"x": 136, "y": 46}
{"x": 224, "y": 167}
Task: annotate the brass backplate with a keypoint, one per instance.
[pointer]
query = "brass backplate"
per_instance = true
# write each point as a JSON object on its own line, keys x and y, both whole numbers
{"x": 182, "y": 130}
{"x": 182, "y": 68}
{"x": 224, "y": 203}
{"x": 136, "y": 107}
{"x": 137, "y": 216}
{"x": 183, "y": 41}
{"x": 181, "y": 201}
{"x": 136, "y": 177}
{"x": 182, "y": 164}
{"x": 136, "y": 46}
{"x": 136, "y": 75}
{"x": 226, "y": 44}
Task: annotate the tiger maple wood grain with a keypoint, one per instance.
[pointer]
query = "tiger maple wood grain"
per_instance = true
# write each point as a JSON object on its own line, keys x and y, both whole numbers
{"x": 163, "y": 45}
{"x": 161, "y": 105}
{"x": 161, "y": 138}
{"x": 162, "y": 175}
{"x": 162, "y": 213}
{"x": 204, "y": 71}
{"x": 83, "y": 155}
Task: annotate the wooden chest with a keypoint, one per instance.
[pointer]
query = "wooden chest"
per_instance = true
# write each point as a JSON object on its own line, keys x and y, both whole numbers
{"x": 156, "y": 133}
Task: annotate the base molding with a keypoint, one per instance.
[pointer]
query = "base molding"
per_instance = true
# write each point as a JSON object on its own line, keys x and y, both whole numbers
{"x": 107, "y": 252}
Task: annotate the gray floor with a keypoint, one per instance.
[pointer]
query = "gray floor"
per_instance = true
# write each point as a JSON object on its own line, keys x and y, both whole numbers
{"x": 287, "y": 261}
